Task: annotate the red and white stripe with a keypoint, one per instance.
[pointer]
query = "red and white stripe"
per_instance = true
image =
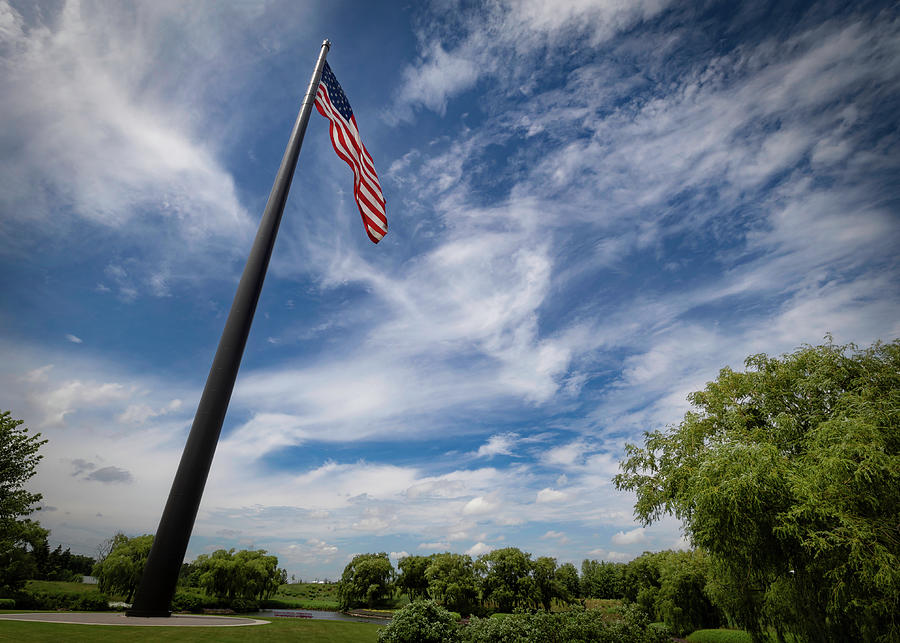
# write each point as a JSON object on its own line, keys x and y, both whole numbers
{"x": 347, "y": 144}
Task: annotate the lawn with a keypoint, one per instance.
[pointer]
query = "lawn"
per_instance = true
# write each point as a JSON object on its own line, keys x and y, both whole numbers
{"x": 280, "y": 629}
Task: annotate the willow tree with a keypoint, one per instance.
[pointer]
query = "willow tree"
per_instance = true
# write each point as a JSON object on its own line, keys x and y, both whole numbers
{"x": 788, "y": 475}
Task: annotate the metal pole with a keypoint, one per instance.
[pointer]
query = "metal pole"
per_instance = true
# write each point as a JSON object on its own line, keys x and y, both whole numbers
{"x": 157, "y": 586}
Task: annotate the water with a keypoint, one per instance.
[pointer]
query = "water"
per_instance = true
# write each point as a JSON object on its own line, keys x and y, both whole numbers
{"x": 319, "y": 614}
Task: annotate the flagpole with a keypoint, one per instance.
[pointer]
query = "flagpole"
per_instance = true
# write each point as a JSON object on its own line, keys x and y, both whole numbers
{"x": 157, "y": 586}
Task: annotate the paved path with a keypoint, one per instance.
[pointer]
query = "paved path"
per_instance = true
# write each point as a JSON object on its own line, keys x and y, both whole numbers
{"x": 118, "y": 618}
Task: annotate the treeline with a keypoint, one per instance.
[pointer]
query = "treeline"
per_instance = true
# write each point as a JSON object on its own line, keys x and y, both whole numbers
{"x": 235, "y": 579}
{"x": 669, "y": 586}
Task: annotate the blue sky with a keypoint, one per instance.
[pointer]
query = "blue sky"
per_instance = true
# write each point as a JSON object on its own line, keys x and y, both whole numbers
{"x": 593, "y": 207}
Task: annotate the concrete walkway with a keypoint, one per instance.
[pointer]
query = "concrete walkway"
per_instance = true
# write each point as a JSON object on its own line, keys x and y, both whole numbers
{"x": 118, "y": 618}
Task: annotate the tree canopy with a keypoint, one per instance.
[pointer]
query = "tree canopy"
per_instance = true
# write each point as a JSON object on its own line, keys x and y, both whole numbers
{"x": 788, "y": 475}
{"x": 18, "y": 459}
{"x": 120, "y": 571}
{"x": 245, "y": 574}
{"x": 452, "y": 582}
{"x": 367, "y": 580}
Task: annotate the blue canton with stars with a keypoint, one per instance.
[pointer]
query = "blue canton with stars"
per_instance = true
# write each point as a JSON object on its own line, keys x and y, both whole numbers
{"x": 338, "y": 98}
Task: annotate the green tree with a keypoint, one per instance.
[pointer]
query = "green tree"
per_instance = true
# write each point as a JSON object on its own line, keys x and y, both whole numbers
{"x": 412, "y": 579}
{"x": 567, "y": 578}
{"x": 230, "y": 575}
{"x": 682, "y": 600}
{"x": 120, "y": 571}
{"x": 367, "y": 580}
{"x": 788, "y": 476}
{"x": 506, "y": 579}
{"x": 18, "y": 535}
{"x": 543, "y": 571}
{"x": 421, "y": 622}
{"x": 451, "y": 581}
{"x": 601, "y": 579}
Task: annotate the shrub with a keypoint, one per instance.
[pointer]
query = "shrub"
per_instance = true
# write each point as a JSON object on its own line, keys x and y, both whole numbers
{"x": 244, "y": 605}
{"x": 185, "y": 602}
{"x": 421, "y": 622}
{"x": 578, "y": 626}
{"x": 7, "y": 603}
{"x": 89, "y": 603}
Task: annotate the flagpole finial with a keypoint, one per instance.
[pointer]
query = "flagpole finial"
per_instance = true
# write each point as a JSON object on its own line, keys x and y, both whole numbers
{"x": 326, "y": 43}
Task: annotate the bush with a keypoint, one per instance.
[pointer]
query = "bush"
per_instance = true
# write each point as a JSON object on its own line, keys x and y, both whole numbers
{"x": 89, "y": 603}
{"x": 49, "y": 600}
{"x": 185, "y": 602}
{"x": 7, "y": 603}
{"x": 244, "y": 605}
{"x": 421, "y": 622}
{"x": 577, "y": 626}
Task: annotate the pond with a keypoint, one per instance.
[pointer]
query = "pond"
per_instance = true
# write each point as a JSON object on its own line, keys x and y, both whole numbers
{"x": 318, "y": 614}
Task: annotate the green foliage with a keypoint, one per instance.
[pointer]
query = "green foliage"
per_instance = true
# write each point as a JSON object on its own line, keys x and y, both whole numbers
{"x": 367, "y": 580}
{"x": 317, "y": 596}
{"x": 233, "y": 576}
{"x": 788, "y": 475}
{"x": 7, "y": 603}
{"x": 412, "y": 579}
{"x": 506, "y": 579}
{"x": 682, "y": 601}
{"x": 18, "y": 459}
{"x": 577, "y": 626}
{"x": 59, "y": 565}
{"x": 120, "y": 571}
{"x": 568, "y": 582}
{"x": 601, "y": 579}
{"x": 187, "y": 602}
{"x": 451, "y": 581}
{"x": 421, "y": 622}
{"x": 60, "y": 599}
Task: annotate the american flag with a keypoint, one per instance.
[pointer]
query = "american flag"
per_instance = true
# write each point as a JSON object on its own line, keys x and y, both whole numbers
{"x": 332, "y": 104}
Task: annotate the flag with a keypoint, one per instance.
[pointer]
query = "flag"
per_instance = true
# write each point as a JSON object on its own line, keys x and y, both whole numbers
{"x": 332, "y": 104}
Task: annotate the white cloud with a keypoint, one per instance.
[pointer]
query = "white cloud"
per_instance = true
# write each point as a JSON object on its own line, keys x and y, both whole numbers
{"x": 630, "y": 537}
{"x": 499, "y": 444}
{"x": 74, "y": 339}
{"x": 550, "y": 495}
{"x": 478, "y": 549}
{"x": 397, "y": 555}
{"x": 480, "y": 505}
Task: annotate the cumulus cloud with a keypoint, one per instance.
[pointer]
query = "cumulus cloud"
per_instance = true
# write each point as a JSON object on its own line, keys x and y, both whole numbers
{"x": 479, "y": 506}
{"x": 478, "y": 549}
{"x": 550, "y": 495}
{"x": 629, "y": 538}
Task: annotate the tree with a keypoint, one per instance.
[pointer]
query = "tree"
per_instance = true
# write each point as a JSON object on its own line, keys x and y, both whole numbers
{"x": 412, "y": 579}
{"x": 451, "y": 581}
{"x": 543, "y": 571}
{"x": 788, "y": 476}
{"x": 18, "y": 459}
{"x": 231, "y": 575}
{"x": 506, "y": 579}
{"x": 567, "y": 577}
{"x": 121, "y": 570}
{"x": 367, "y": 579}
{"x": 600, "y": 579}
{"x": 421, "y": 622}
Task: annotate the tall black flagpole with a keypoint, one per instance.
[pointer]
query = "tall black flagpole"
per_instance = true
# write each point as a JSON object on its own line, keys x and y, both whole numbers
{"x": 157, "y": 586}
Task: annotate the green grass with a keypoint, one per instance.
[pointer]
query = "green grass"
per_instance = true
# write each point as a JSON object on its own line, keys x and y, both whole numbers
{"x": 310, "y": 596}
{"x": 280, "y": 629}
{"x": 719, "y": 636}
